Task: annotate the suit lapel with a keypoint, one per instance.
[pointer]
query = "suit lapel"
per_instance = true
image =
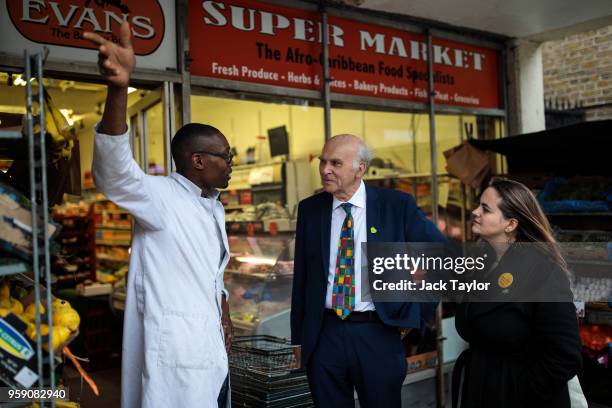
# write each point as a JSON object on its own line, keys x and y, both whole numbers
{"x": 506, "y": 264}
{"x": 374, "y": 229}
{"x": 326, "y": 210}
{"x": 373, "y": 226}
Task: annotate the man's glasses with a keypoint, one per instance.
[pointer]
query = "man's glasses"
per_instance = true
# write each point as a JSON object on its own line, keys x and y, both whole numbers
{"x": 227, "y": 156}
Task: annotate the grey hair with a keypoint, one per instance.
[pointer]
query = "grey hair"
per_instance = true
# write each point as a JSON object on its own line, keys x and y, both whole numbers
{"x": 364, "y": 154}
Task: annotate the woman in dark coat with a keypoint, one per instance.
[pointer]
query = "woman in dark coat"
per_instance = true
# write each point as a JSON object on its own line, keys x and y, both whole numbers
{"x": 521, "y": 354}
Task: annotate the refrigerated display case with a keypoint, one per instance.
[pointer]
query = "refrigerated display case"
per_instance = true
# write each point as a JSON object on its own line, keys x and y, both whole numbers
{"x": 259, "y": 277}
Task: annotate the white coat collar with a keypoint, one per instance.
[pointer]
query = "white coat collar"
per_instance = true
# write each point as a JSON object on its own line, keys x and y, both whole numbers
{"x": 192, "y": 188}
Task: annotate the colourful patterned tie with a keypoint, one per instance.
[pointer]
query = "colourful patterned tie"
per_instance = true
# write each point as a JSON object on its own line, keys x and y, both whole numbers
{"x": 343, "y": 295}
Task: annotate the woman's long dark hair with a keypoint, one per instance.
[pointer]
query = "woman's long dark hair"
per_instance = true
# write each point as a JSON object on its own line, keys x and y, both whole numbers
{"x": 518, "y": 202}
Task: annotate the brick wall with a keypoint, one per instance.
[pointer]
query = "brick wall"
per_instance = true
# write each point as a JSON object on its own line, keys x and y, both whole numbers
{"x": 578, "y": 70}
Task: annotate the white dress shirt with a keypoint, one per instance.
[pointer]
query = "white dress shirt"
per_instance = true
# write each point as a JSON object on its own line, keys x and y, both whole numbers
{"x": 360, "y": 234}
{"x": 173, "y": 347}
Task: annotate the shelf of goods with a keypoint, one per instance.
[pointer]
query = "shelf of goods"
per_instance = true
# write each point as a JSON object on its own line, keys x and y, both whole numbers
{"x": 266, "y": 193}
{"x": 580, "y": 212}
{"x": 264, "y": 218}
{"x": 75, "y": 262}
{"x": 113, "y": 237}
{"x": 35, "y": 327}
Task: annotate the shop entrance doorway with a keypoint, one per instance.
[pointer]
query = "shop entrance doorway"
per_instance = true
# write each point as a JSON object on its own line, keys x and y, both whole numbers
{"x": 151, "y": 121}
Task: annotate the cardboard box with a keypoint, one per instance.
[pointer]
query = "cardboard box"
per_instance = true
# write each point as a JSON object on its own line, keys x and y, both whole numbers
{"x": 422, "y": 361}
{"x": 18, "y": 363}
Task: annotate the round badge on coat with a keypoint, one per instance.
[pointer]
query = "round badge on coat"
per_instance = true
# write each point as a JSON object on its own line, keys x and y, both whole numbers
{"x": 505, "y": 280}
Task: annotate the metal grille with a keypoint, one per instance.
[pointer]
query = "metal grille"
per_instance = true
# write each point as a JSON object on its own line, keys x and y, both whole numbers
{"x": 262, "y": 374}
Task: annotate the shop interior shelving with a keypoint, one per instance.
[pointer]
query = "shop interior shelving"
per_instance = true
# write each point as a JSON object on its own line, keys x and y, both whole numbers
{"x": 113, "y": 233}
{"x": 77, "y": 237}
{"x": 589, "y": 270}
{"x": 266, "y": 192}
{"x": 34, "y": 132}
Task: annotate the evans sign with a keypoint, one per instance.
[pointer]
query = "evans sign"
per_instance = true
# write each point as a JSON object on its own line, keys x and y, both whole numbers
{"x": 63, "y": 22}
{"x": 59, "y": 25}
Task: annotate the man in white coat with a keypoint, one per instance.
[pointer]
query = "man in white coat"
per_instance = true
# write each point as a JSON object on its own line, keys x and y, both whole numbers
{"x": 174, "y": 349}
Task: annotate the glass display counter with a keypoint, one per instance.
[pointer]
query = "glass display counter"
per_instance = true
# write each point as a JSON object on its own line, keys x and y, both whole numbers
{"x": 259, "y": 278}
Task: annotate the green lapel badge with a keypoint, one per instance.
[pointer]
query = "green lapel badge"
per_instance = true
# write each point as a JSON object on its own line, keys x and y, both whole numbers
{"x": 373, "y": 230}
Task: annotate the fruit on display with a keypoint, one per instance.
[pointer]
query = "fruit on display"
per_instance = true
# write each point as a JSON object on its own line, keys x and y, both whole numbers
{"x": 59, "y": 404}
{"x": 30, "y": 312}
{"x": 32, "y": 333}
{"x": 60, "y": 336}
{"x": 596, "y": 337}
{"x": 60, "y": 304}
{"x": 8, "y": 302}
{"x": 66, "y": 320}
{"x": 67, "y": 317}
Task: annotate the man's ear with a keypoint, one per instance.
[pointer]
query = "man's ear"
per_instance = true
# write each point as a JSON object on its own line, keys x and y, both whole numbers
{"x": 361, "y": 169}
{"x": 198, "y": 162}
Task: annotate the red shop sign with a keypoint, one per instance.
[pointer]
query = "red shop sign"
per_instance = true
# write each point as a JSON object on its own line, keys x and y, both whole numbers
{"x": 63, "y": 22}
{"x": 246, "y": 40}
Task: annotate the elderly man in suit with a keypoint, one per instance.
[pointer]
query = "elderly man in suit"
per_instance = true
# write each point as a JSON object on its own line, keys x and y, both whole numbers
{"x": 344, "y": 341}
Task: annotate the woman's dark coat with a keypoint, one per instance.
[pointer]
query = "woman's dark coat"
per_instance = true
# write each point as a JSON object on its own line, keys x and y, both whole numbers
{"x": 521, "y": 354}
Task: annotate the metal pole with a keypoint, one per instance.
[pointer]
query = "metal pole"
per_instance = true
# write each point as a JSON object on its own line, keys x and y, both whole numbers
{"x": 45, "y": 213}
{"x": 414, "y": 180}
{"x": 184, "y": 60}
{"x": 133, "y": 131}
{"x": 144, "y": 139}
{"x": 504, "y": 89}
{"x": 432, "y": 132}
{"x": 326, "y": 78}
{"x": 168, "y": 107}
{"x": 463, "y": 193}
{"x": 32, "y": 160}
{"x": 434, "y": 191}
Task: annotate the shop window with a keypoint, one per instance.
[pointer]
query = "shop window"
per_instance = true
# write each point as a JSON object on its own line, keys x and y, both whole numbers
{"x": 401, "y": 140}
{"x": 245, "y": 124}
{"x": 402, "y": 155}
{"x": 156, "y": 149}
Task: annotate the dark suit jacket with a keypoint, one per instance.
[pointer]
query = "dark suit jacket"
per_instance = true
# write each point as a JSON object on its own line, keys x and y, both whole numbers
{"x": 395, "y": 217}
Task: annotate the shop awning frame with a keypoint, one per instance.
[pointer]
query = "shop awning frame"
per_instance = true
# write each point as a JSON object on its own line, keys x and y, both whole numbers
{"x": 579, "y": 149}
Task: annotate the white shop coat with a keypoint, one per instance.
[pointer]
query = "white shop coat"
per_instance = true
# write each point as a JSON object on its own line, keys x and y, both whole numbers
{"x": 173, "y": 344}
